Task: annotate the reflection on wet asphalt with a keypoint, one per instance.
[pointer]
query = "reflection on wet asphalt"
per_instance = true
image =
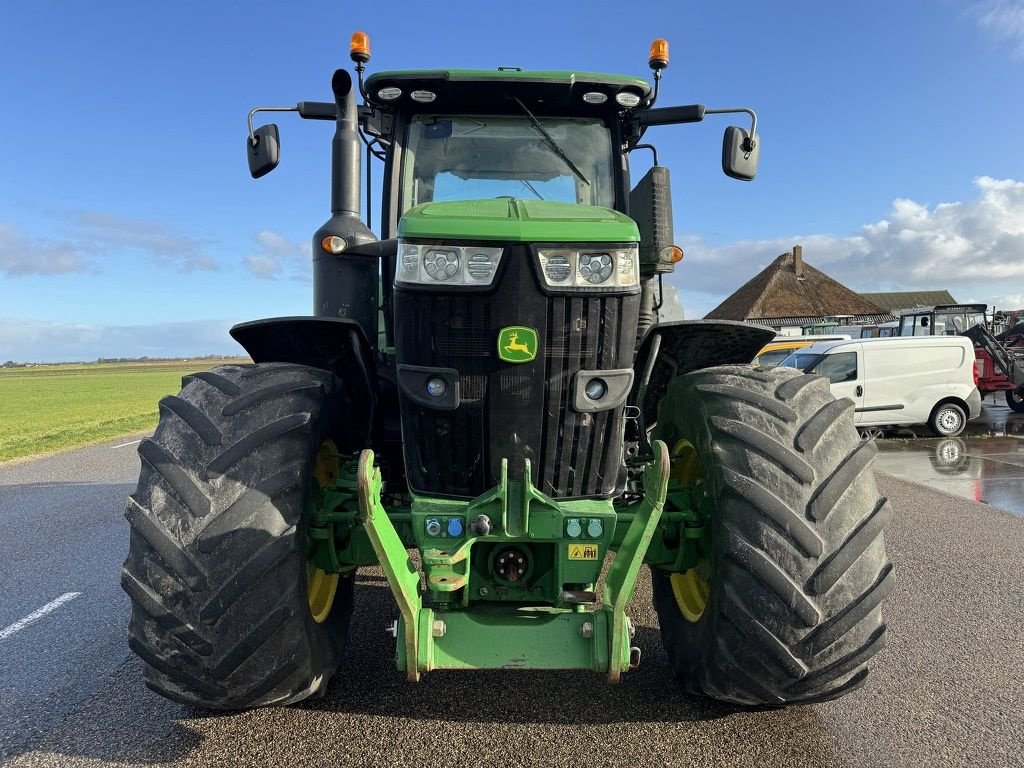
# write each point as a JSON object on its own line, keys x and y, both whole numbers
{"x": 985, "y": 464}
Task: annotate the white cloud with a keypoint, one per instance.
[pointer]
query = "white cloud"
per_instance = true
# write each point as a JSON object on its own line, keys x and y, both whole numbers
{"x": 277, "y": 256}
{"x": 22, "y": 255}
{"x": 102, "y": 232}
{"x": 969, "y": 248}
{"x": 86, "y": 238}
{"x": 24, "y": 340}
{"x": 1004, "y": 20}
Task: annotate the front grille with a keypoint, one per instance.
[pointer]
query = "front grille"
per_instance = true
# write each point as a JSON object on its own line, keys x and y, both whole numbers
{"x": 516, "y": 411}
{"x": 581, "y": 450}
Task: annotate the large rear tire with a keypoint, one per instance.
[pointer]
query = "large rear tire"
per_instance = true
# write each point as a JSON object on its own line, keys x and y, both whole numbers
{"x": 1015, "y": 400}
{"x": 786, "y": 608}
{"x": 217, "y": 566}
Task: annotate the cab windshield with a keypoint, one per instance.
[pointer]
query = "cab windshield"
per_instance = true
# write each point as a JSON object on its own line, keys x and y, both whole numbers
{"x": 471, "y": 157}
{"x": 954, "y": 323}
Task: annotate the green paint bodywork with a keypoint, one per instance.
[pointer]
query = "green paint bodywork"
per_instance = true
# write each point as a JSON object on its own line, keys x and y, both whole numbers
{"x": 622, "y": 574}
{"x": 467, "y": 618}
{"x": 520, "y": 514}
{"x": 684, "y": 536}
{"x": 401, "y": 572}
{"x": 521, "y": 221}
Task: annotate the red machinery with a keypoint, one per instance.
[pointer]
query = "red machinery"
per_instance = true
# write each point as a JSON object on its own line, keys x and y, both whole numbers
{"x": 999, "y": 363}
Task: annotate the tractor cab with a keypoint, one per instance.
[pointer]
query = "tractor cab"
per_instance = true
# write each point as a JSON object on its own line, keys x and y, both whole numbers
{"x": 478, "y": 134}
{"x": 941, "y": 320}
{"x": 523, "y": 156}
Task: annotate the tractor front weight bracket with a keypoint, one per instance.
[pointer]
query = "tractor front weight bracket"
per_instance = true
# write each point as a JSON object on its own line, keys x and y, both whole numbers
{"x": 621, "y": 581}
{"x": 402, "y": 575}
{"x": 494, "y": 635}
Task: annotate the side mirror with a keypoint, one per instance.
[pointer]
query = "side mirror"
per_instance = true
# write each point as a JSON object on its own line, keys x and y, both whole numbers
{"x": 740, "y": 152}
{"x": 264, "y": 150}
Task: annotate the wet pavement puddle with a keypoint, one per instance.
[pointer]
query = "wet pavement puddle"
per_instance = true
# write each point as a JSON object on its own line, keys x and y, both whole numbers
{"x": 986, "y": 463}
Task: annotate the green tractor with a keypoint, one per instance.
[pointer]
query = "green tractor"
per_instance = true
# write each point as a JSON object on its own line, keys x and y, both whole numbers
{"x": 485, "y": 405}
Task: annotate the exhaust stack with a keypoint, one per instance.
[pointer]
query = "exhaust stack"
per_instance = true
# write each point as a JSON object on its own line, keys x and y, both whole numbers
{"x": 346, "y": 285}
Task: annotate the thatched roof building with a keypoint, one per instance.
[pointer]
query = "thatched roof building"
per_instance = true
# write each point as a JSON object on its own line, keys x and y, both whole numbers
{"x": 894, "y": 301}
{"x": 789, "y": 293}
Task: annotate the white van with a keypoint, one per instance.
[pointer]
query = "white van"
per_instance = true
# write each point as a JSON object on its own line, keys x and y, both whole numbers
{"x": 905, "y": 380}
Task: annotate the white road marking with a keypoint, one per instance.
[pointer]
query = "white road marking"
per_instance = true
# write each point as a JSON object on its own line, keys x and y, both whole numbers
{"x": 122, "y": 445}
{"x": 37, "y": 615}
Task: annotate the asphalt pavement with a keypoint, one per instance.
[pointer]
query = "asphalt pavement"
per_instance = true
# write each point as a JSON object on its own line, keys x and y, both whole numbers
{"x": 947, "y": 691}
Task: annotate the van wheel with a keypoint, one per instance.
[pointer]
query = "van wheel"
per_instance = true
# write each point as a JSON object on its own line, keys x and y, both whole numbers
{"x": 1015, "y": 399}
{"x": 947, "y": 420}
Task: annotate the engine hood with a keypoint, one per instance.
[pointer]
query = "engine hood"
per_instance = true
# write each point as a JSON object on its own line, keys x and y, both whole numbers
{"x": 514, "y": 220}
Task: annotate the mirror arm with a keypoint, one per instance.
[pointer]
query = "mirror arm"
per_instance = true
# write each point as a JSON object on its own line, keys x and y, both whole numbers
{"x": 253, "y": 111}
{"x": 749, "y": 143}
{"x": 654, "y": 150}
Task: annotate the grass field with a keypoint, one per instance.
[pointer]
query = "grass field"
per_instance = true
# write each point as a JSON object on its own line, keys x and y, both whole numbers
{"x": 55, "y": 407}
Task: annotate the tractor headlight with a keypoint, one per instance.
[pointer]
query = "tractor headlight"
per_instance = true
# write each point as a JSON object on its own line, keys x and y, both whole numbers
{"x": 446, "y": 264}
{"x": 590, "y": 269}
{"x": 441, "y": 264}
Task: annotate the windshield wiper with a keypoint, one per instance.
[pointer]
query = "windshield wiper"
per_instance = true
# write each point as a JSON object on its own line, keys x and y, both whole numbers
{"x": 550, "y": 141}
{"x": 533, "y": 189}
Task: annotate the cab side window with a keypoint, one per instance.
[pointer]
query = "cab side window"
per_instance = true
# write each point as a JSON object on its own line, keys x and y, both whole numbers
{"x": 840, "y": 367}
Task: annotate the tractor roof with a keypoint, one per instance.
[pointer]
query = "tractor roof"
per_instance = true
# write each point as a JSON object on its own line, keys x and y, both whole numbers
{"x": 483, "y": 89}
{"x": 944, "y": 308}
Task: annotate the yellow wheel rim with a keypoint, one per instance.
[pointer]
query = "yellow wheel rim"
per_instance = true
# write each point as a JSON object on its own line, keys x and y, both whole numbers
{"x": 320, "y": 585}
{"x": 320, "y": 589}
{"x": 691, "y": 593}
{"x": 689, "y": 588}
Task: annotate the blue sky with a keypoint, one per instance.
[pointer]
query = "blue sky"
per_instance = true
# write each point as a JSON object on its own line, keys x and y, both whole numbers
{"x": 129, "y": 224}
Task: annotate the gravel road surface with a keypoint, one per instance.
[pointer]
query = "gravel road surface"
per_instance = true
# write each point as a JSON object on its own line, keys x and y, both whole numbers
{"x": 948, "y": 690}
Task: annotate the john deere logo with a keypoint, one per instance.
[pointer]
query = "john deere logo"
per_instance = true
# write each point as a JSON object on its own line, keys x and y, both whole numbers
{"x": 517, "y": 344}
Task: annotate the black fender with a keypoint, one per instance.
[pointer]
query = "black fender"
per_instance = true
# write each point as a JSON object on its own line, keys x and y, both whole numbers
{"x": 332, "y": 343}
{"x": 674, "y": 348}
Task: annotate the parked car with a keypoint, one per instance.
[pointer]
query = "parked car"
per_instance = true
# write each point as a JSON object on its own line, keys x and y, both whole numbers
{"x": 779, "y": 348}
{"x": 900, "y": 381}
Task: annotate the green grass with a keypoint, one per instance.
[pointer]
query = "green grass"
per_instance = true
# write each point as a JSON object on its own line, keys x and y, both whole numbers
{"x": 56, "y": 407}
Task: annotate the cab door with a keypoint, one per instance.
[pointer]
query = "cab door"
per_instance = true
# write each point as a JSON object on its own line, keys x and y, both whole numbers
{"x": 845, "y": 371}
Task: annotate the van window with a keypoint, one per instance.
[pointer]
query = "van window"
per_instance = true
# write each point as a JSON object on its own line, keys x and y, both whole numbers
{"x": 838, "y": 367}
{"x": 801, "y": 360}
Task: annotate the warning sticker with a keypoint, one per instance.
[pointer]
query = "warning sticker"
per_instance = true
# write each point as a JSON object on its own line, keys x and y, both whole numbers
{"x": 583, "y": 551}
